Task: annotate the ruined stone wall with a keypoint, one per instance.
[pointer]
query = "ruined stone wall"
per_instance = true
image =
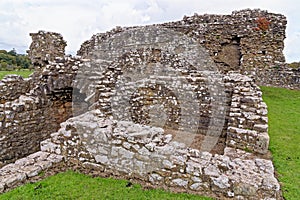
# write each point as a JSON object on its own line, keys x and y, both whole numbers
{"x": 51, "y": 84}
{"x": 31, "y": 109}
{"x": 151, "y": 155}
{"x": 278, "y": 76}
{"x": 238, "y": 41}
{"x": 248, "y": 121}
{"x": 245, "y": 115}
{"x": 149, "y": 130}
{"x": 241, "y": 41}
{"x": 34, "y": 115}
{"x": 12, "y": 87}
{"x": 24, "y": 123}
{"x": 46, "y": 47}
{"x": 250, "y": 42}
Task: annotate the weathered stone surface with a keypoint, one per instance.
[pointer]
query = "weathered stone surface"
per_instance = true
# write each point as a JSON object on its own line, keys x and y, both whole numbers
{"x": 38, "y": 104}
{"x": 244, "y": 189}
{"x": 1, "y": 187}
{"x": 41, "y": 52}
{"x": 12, "y": 179}
{"x": 155, "y": 179}
{"x": 180, "y": 182}
{"x": 50, "y": 147}
{"x": 32, "y": 171}
{"x": 34, "y": 109}
{"x": 147, "y": 146}
{"x": 230, "y": 175}
{"x": 16, "y": 173}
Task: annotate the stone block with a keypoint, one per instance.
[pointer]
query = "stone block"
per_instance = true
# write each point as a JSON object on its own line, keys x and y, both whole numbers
{"x": 32, "y": 170}
{"x": 179, "y": 182}
{"x": 102, "y": 159}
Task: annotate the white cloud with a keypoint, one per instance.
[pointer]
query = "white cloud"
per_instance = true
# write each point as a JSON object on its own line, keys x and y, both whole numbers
{"x": 77, "y": 20}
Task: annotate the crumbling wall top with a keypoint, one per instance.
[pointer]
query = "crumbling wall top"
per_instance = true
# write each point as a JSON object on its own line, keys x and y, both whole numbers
{"x": 45, "y": 47}
{"x": 242, "y": 41}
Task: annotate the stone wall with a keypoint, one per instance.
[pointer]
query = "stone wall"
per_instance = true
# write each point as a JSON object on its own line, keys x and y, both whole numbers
{"x": 97, "y": 142}
{"x": 167, "y": 104}
{"x": 45, "y": 47}
{"x": 188, "y": 127}
{"x": 12, "y": 87}
{"x": 247, "y": 41}
{"x": 148, "y": 154}
{"x": 241, "y": 41}
{"x": 31, "y": 109}
{"x": 248, "y": 121}
{"x": 278, "y": 76}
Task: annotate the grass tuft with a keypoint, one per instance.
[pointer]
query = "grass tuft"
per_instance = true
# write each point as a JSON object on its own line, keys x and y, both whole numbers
{"x": 24, "y": 73}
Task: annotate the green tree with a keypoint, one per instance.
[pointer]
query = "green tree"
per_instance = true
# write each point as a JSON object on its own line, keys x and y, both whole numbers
{"x": 13, "y": 52}
{"x": 12, "y": 60}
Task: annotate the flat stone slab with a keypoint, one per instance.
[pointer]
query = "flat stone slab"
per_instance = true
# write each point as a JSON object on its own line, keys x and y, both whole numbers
{"x": 14, "y": 174}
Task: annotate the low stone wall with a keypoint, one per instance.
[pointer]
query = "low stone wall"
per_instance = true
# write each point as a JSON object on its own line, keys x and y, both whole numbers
{"x": 15, "y": 174}
{"x": 278, "y": 76}
{"x": 146, "y": 153}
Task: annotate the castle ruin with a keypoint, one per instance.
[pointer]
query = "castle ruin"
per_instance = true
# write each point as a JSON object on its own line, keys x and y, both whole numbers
{"x": 174, "y": 105}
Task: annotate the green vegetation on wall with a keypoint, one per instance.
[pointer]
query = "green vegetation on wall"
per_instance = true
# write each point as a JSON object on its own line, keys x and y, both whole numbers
{"x": 294, "y": 65}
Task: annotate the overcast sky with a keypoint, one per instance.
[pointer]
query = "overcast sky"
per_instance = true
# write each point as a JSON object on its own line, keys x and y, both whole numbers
{"x": 78, "y": 20}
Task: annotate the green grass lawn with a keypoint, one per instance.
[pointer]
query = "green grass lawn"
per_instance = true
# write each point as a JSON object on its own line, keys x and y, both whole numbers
{"x": 284, "y": 131}
{"x": 24, "y": 73}
{"x": 72, "y": 185}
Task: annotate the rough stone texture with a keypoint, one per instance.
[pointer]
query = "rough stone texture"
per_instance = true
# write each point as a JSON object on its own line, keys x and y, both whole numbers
{"x": 248, "y": 42}
{"x": 14, "y": 174}
{"x": 46, "y": 47}
{"x": 238, "y": 95}
{"x": 277, "y": 76}
{"x": 45, "y": 98}
{"x": 119, "y": 146}
{"x": 33, "y": 108}
{"x": 235, "y": 41}
{"x": 248, "y": 121}
{"x": 140, "y": 84}
{"x": 13, "y": 86}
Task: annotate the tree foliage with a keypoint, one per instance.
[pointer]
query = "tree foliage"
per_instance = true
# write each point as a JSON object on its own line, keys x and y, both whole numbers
{"x": 11, "y": 60}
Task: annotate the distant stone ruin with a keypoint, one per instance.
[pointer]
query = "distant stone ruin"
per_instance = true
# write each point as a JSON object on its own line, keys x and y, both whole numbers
{"x": 174, "y": 105}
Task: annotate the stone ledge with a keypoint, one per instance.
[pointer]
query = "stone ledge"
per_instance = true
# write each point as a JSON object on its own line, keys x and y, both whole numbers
{"x": 17, "y": 173}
